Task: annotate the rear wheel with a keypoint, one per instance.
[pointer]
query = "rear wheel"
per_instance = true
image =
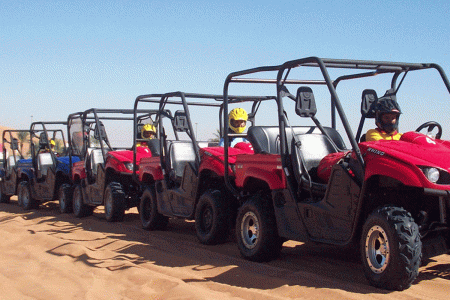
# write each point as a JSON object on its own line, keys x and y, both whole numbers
{"x": 65, "y": 198}
{"x": 80, "y": 209}
{"x": 212, "y": 218}
{"x": 3, "y": 197}
{"x": 25, "y": 198}
{"x": 114, "y": 200}
{"x": 151, "y": 219}
{"x": 256, "y": 230}
{"x": 391, "y": 248}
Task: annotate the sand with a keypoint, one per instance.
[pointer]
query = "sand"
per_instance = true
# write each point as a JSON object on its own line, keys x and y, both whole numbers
{"x": 48, "y": 255}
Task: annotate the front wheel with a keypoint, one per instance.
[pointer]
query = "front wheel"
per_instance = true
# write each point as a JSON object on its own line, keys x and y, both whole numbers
{"x": 80, "y": 209}
{"x": 3, "y": 197}
{"x": 24, "y": 196}
{"x": 151, "y": 219}
{"x": 391, "y": 248}
{"x": 256, "y": 230}
{"x": 65, "y": 198}
{"x": 212, "y": 218}
{"x": 114, "y": 200}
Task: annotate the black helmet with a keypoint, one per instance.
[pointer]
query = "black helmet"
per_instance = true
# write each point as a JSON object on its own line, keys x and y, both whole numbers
{"x": 387, "y": 105}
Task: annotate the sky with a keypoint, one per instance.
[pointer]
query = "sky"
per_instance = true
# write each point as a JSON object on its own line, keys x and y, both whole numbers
{"x": 60, "y": 57}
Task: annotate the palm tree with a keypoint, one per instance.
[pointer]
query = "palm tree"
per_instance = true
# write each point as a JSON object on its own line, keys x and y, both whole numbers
{"x": 216, "y": 136}
{"x": 22, "y": 136}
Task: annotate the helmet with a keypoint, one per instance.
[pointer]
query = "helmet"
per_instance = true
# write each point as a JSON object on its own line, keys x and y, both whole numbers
{"x": 237, "y": 114}
{"x": 147, "y": 128}
{"x": 52, "y": 142}
{"x": 387, "y": 105}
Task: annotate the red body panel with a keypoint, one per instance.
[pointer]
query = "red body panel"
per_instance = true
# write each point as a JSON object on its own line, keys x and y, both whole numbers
{"x": 265, "y": 167}
{"x": 116, "y": 159}
{"x": 78, "y": 171}
{"x": 212, "y": 158}
{"x": 150, "y": 166}
{"x": 399, "y": 159}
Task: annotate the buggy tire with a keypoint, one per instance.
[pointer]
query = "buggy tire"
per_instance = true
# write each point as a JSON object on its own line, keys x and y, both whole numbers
{"x": 3, "y": 197}
{"x": 256, "y": 230}
{"x": 391, "y": 248}
{"x": 212, "y": 218}
{"x": 65, "y": 198}
{"x": 114, "y": 201}
{"x": 151, "y": 219}
{"x": 80, "y": 209}
{"x": 24, "y": 196}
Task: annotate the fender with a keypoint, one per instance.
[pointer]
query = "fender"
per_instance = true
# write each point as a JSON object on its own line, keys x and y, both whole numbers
{"x": 78, "y": 171}
{"x": 406, "y": 174}
{"x": 150, "y": 166}
{"x": 265, "y": 167}
{"x": 214, "y": 165}
{"x": 274, "y": 178}
{"x": 25, "y": 173}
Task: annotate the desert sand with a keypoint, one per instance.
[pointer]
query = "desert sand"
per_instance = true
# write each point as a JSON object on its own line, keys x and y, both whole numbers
{"x": 48, "y": 255}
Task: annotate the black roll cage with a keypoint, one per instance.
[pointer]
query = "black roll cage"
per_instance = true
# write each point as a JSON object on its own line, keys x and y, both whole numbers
{"x": 163, "y": 99}
{"x": 369, "y": 68}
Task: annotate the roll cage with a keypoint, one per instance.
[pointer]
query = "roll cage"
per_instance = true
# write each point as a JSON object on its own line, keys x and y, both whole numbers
{"x": 356, "y": 68}
{"x": 185, "y": 100}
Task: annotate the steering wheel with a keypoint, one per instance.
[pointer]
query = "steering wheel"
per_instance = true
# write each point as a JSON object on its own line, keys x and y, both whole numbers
{"x": 430, "y": 125}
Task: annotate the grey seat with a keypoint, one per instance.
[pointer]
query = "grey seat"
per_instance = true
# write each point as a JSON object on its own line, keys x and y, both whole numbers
{"x": 180, "y": 154}
{"x": 45, "y": 161}
{"x": 266, "y": 139}
{"x": 96, "y": 159}
{"x": 314, "y": 147}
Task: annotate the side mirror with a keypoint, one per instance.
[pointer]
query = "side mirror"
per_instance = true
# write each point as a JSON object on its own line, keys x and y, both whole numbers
{"x": 43, "y": 140}
{"x": 369, "y": 99}
{"x": 180, "y": 121}
{"x": 14, "y": 144}
{"x": 305, "y": 104}
{"x": 100, "y": 132}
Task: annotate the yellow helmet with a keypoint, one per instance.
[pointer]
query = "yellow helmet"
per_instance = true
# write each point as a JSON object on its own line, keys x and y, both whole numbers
{"x": 237, "y": 114}
{"x": 52, "y": 142}
{"x": 147, "y": 128}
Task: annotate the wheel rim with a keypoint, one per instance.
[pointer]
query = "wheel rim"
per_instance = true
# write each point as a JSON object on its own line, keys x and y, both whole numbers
{"x": 250, "y": 230}
{"x": 207, "y": 218}
{"x": 377, "y": 249}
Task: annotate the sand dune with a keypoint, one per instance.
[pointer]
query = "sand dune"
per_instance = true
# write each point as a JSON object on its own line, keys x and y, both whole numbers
{"x": 47, "y": 255}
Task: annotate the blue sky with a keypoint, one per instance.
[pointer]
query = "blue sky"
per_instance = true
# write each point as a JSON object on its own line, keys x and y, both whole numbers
{"x": 58, "y": 57}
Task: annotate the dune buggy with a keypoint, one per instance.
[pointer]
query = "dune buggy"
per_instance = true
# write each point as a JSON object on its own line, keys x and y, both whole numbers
{"x": 391, "y": 197}
{"x": 103, "y": 174}
{"x": 185, "y": 178}
{"x": 15, "y": 166}
{"x": 48, "y": 179}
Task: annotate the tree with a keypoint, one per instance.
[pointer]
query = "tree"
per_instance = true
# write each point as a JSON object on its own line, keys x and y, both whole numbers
{"x": 217, "y": 136}
{"x": 22, "y": 136}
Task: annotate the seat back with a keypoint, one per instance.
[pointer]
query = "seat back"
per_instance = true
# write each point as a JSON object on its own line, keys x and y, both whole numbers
{"x": 314, "y": 147}
{"x": 266, "y": 139}
{"x": 11, "y": 163}
{"x": 96, "y": 159}
{"x": 45, "y": 161}
{"x": 180, "y": 154}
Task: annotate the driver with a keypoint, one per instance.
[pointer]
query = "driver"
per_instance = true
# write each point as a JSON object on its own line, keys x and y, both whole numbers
{"x": 148, "y": 132}
{"x": 387, "y": 115}
{"x": 237, "y": 121}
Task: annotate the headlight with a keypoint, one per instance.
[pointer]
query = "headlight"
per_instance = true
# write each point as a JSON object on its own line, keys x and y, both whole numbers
{"x": 129, "y": 166}
{"x": 432, "y": 174}
{"x": 435, "y": 175}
